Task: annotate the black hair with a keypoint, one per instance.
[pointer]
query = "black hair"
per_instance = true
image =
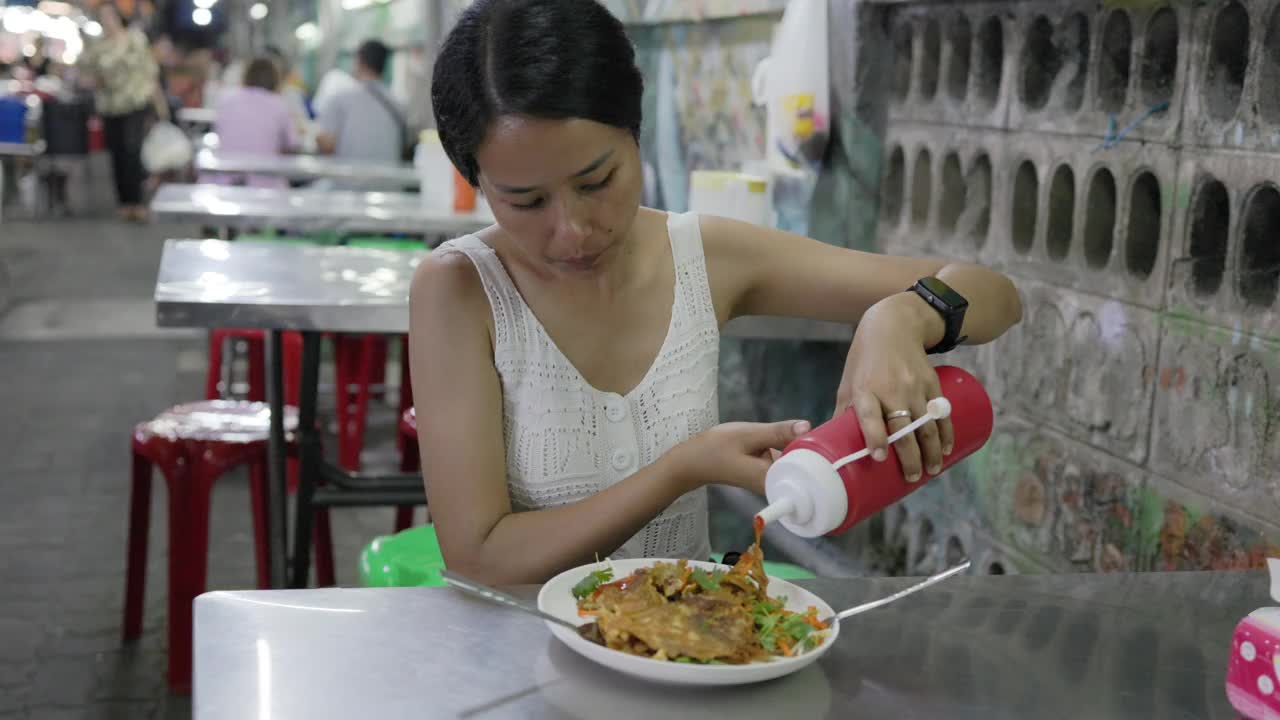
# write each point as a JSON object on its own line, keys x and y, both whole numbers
{"x": 549, "y": 59}
{"x": 373, "y": 55}
{"x": 262, "y": 72}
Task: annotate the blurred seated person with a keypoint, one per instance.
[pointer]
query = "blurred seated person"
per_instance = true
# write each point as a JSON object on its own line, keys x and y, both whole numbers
{"x": 360, "y": 121}
{"x": 38, "y": 63}
{"x": 292, "y": 88}
{"x": 253, "y": 119}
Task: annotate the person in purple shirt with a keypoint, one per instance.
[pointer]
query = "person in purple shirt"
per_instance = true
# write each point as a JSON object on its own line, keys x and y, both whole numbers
{"x": 254, "y": 120}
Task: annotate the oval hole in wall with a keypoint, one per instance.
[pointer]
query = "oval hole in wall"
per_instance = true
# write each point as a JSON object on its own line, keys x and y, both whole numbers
{"x": 1100, "y": 219}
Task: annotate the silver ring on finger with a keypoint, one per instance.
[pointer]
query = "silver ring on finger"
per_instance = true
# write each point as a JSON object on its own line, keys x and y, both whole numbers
{"x": 898, "y": 414}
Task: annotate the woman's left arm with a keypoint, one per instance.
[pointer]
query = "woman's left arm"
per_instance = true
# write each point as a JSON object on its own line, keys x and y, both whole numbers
{"x": 762, "y": 271}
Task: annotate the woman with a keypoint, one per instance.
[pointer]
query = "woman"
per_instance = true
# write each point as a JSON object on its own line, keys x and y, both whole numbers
{"x": 125, "y": 77}
{"x": 254, "y": 119}
{"x": 565, "y": 359}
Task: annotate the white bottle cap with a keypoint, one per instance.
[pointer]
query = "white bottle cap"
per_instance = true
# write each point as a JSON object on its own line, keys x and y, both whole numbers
{"x": 815, "y": 489}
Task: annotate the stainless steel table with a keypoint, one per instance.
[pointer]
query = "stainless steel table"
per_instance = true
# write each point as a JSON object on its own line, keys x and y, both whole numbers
{"x": 995, "y": 647}
{"x": 305, "y": 167}
{"x": 212, "y": 283}
{"x": 341, "y": 211}
{"x": 197, "y": 116}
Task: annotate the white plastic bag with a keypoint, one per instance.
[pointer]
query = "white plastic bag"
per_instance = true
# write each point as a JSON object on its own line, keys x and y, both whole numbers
{"x": 166, "y": 148}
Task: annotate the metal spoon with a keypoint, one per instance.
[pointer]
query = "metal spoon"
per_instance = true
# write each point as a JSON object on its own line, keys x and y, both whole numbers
{"x": 934, "y": 580}
{"x": 472, "y": 587}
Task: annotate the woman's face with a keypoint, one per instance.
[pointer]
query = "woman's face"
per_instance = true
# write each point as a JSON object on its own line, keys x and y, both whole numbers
{"x": 566, "y": 191}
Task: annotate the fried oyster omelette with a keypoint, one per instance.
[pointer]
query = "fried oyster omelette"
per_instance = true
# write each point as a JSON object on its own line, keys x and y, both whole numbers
{"x": 673, "y": 612}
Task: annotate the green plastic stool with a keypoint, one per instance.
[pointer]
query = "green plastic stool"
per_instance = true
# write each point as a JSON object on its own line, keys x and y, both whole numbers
{"x": 380, "y": 242}
{"x": 320, "y": 238}
{"x": 410, "y": 558}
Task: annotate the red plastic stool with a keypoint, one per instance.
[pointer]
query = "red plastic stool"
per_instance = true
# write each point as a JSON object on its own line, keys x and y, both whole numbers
{"x": 359, "y": 363}
{"x": 256, "y": 341}
{"x": 257, "y": 367}
{"x": 409, "y": 460}
{"x": 193, "y": 445}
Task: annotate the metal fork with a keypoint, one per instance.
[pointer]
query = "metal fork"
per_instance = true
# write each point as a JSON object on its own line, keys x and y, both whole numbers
{"x": 471, "y": 587}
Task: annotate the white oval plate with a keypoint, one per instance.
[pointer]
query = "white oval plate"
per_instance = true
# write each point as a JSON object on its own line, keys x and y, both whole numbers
{"x": 556, "y": 598}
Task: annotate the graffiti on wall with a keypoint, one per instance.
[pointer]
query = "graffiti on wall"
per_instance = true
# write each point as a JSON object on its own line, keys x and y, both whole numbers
{"x": 697, "y": 105}
{"x": 1054, "y": 498}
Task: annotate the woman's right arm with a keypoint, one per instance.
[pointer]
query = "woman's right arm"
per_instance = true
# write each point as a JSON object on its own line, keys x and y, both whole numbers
{"x": 460, "y": 417}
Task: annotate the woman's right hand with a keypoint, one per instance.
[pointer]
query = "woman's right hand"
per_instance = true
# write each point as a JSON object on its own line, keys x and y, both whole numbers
{"x": 737, "y": 453}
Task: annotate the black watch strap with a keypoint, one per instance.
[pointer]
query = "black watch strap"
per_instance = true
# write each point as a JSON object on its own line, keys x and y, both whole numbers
{"x": 950, "y": 305}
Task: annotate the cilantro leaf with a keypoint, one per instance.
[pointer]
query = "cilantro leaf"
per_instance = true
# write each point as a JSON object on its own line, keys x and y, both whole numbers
{"x": 590, "y": 583}
{"x": 705, "y": 581}
{"x": 796, "y": 628}
{"x": 766, "y": 628}
{"x": 769, "y": 642}
{"x": 764, "y": 608}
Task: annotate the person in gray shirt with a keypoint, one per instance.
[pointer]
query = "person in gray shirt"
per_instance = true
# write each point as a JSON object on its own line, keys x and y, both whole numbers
{"x": 362, "y": 122}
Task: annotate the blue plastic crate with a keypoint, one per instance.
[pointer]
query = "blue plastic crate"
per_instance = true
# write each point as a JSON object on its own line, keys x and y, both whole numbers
{"x": 13, "y": 120}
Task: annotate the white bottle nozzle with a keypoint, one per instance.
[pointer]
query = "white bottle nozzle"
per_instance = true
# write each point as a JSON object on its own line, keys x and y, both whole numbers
{"x": 777, "y": 509}
{"x": 806, "y": 495}
{"x": 937, "y": 409}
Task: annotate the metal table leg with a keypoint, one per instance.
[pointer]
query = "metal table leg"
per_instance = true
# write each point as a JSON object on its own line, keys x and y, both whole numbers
{"x": 276, "y": 461}
{"x": 309, "y": 459}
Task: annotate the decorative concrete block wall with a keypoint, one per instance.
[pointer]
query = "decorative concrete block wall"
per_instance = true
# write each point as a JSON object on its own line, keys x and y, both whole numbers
{"x": 1124, "y": 169}
{"x": 1121, "y": 161}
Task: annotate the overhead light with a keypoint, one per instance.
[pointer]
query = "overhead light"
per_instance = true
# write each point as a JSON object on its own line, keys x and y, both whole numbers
{"x": 29, "y": 50}
{"x": 17, "y": 20}
{"x": 258, "y": 11}
{"x": 201, "y": 16}
{"x": 35, "y": 21}
{"x": 307, "y": 32}
{"x": 205, "y": 4}
{"x": 357, "y": 4}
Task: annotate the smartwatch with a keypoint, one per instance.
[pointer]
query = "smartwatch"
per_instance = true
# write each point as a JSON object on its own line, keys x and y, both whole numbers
{"x": 950, "y": 304}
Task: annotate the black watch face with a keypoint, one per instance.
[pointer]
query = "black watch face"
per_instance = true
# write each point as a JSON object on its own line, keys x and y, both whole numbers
{"x": 943, "y": 292}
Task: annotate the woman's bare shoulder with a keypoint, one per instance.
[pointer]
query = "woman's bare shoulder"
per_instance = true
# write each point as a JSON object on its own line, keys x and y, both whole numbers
{"x": 446, "y": 281}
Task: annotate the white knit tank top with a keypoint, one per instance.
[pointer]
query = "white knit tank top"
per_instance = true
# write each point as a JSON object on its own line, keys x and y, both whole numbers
{"x": 566, "y": 440}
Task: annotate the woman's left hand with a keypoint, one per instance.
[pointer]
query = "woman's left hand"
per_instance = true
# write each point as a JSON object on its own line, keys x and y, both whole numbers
{"x": 888, "y": 372}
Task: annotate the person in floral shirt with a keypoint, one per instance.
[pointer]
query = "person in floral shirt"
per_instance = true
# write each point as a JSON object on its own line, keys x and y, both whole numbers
{"x": 126, "y": 82}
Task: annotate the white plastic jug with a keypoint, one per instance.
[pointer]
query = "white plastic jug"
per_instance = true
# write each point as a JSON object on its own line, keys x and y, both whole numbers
{"x": 730, "y": 194}
{"x": 793, "y": 83}
{"x": 435, "y": 171}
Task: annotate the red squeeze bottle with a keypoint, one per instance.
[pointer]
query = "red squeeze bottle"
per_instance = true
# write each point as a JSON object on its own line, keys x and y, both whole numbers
{"x": 812, "y": 493}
